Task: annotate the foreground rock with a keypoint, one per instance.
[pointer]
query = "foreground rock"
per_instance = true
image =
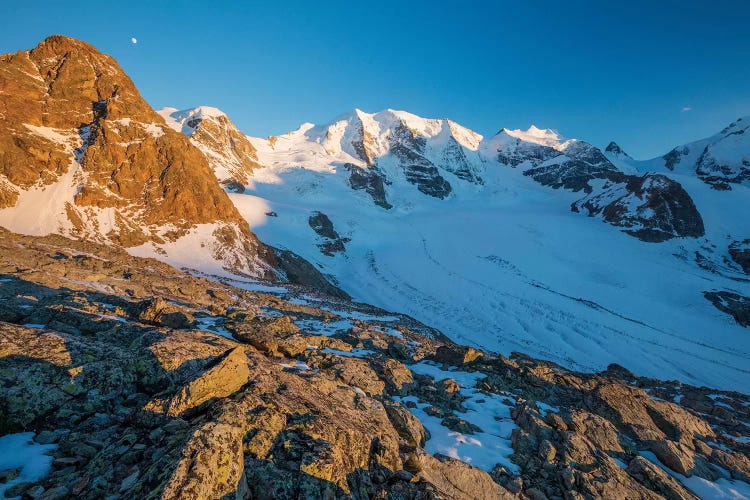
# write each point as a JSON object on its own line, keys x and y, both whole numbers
{"x": 155, "y": 384}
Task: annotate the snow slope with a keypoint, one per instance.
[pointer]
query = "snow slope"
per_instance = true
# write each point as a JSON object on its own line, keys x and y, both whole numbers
{"x": 503, "y": 264}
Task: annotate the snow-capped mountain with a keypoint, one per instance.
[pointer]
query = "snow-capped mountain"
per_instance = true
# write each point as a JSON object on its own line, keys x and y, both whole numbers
{"x": 721, "y": 160}
{"x": 549, "y": 158}
{"x": 388, "y": 148}
{"x": 486, "y": 238}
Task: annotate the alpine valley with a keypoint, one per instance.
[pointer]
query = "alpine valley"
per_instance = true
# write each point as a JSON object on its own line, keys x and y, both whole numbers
{"x": 383, "y": 306}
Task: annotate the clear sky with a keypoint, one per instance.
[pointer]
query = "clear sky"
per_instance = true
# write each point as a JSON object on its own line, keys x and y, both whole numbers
{"x": 648, "y": 74}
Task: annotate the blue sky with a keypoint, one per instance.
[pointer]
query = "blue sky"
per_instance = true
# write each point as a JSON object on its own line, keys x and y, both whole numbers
{"x": 648, "y": 74}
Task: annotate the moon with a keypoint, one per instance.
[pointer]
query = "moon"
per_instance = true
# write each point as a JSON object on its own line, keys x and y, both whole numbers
{"x": 134, "y": 40}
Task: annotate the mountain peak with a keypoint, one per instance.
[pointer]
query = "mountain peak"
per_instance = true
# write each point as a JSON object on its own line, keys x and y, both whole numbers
{"x": 228, "y": 151}
{"x": 614, "y": 149}
{"x": 544, "y": 137}
{"x": 187, "y": 120}
{"x": 62, "y": 42}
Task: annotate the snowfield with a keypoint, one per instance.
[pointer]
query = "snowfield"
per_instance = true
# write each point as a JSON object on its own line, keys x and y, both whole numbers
{"x": 19, "y": 451}
{"x": 519, "y": 274}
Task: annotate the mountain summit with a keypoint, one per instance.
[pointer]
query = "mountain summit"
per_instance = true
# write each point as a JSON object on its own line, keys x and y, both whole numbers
{"x": 228, "y": 151}
{"x": 614, "y": 149}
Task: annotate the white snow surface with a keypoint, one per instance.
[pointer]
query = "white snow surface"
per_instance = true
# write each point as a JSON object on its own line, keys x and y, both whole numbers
{"x": 489, "y": 412}
{"x": 19, "y": 451}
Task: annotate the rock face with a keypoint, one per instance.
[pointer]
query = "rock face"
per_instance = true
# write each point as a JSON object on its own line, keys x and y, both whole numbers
{"x": 455, "y": 160}
{"x": 323, "y": 227}
{"x": 82, "y": 154}
{"x": 652, "y": 207}
{"x": 614, "y": 149}
{"x": 734, "y": 304}
{"x": 371, "y": 180}
{"x": 740, "y": 253}
{"x": 250, "y": 400}
{"x": 408, "y": 147}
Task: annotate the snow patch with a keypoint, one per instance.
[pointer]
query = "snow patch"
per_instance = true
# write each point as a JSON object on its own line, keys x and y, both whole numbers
{"x": 19, "y": 451}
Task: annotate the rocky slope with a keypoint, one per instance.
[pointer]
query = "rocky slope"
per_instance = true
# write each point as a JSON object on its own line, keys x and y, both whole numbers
{"x": 141, "y": 381}
{"x": 652, "y": 207}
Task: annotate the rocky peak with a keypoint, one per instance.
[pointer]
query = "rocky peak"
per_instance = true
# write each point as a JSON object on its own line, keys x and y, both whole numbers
{"x": 76, "y": 75}
{"x": 614, "y": 149}
{"x": 357, "y": 134}
{"x": 84, "y": 155}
